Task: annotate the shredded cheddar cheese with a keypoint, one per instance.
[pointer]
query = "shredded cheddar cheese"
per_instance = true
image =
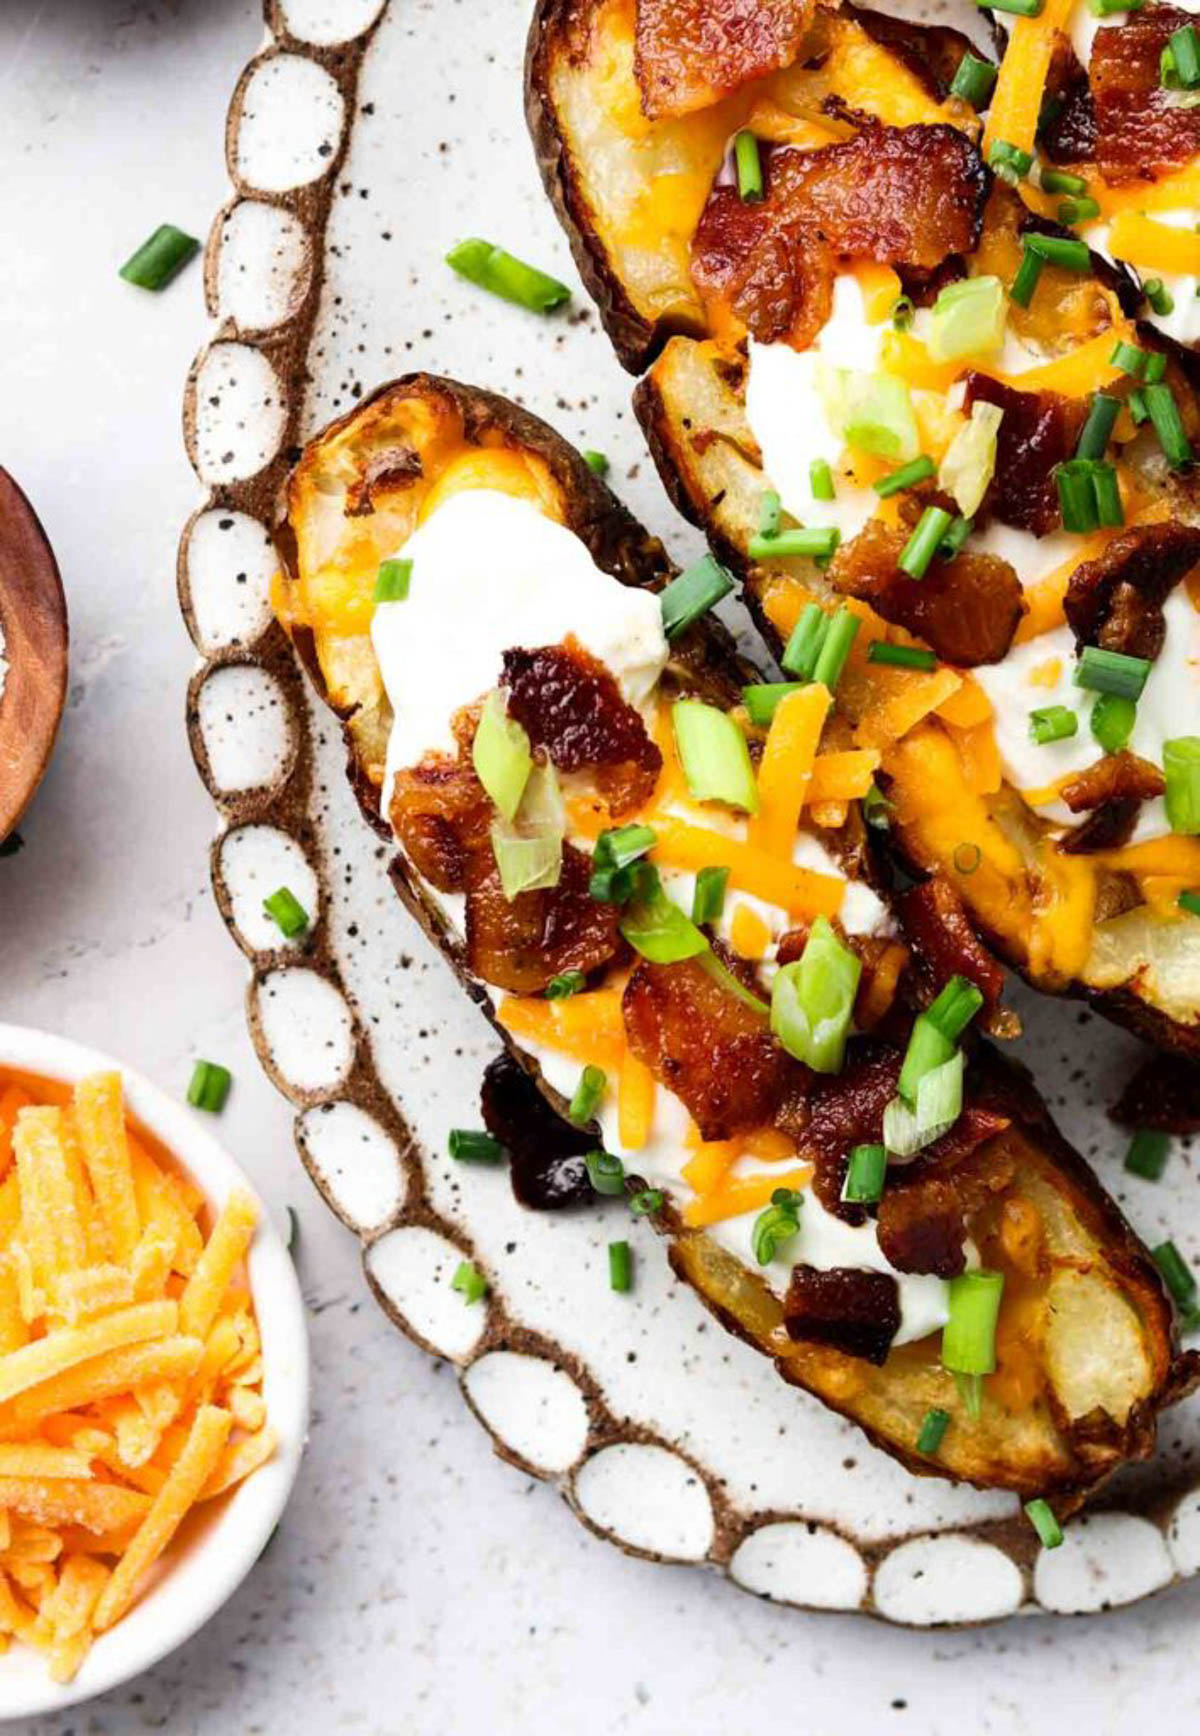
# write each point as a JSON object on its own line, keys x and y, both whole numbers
{"x": 1154, "y": 246}
{"x": 1017, "y": 99}
{"x": 786, "y": 767}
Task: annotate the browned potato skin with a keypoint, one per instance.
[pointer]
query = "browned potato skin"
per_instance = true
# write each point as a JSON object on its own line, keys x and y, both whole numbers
{"x": 1077, "y": 1456}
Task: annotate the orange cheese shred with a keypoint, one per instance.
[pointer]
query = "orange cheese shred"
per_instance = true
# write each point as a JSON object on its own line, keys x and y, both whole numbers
{"x": 899, "y": 705}
{"x": 587, "y": 1027}
{"x": 1154, "y": 246}
{"x": 1017, "y": 99}
{"x": 635, "y": 1101}
{"x": 786, "y": 767}
{"x": 842, "y": 777}
{"x": 799, "y": 891}
{"x": 736, "y": 1195}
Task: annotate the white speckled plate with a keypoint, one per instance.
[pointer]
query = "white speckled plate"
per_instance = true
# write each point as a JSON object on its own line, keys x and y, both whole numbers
{"x": 363, "y": 140}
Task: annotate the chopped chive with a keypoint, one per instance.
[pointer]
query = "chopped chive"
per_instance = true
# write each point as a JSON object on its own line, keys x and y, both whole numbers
{"x": 1148, "y": 366}
{"x": 922, "y": 545}
{"x": 596, "y": 461}
{"x": 1159, "y": 296}
{"x": 160, "y": 258}
{"x": 286, "y": 912}
{"x": 1106, "y": 491}
{"x": 1021, "y": 8}
{"x": 392, "y": 581}
{"x": 1147, "y": 1154}
{"x": 1136, "y": 402}
{"x": 647, "y": 1202}
{"x": 1041, "y": 1516}
{"x": 1181, "y": 772}
{"x": 1168, "y": 73}
{"x": 470, "y": 1282}
{"x": 620, "y": 1267}
{"x": 1025, "y": 282}
{"x": 769, "y": 511}
{"x": 1155, "y": 367}
{"x": 974, "y": 80}
{"x": 606, "y": 1172}
{"x": 777, "y": 1225}
{"x": 502, "y": 273}
{"x": 1112, "y": 720}
{"x": 865, "y": 1175}
{"x": 967, "y": 857}
{"x": 1189, "y": 901}
{"x": 1111, "y": 672}
{"x": 955, "y": 538}
{"x": 467, "y": 1145}
{"x": 933, "y": 1431}
{"x": 749, "y": 166}
{"x": 1072, "y": 211}
{"x": 1058, "y": 181}
{"x": 1077, "y": 503}
{"x": 953, "y": 1009}
{"x": 692, "y": 594}
{"x": 804, "y": 643}
{"x": 1052, "y": 723}
{"x": 900, "y": 656}
{"x": 969, "y": 1335}
{"x": 1009, "y": 162}
{"x": 1177, "y": 1275}
{"x": 1168, "y": 425}
{"x": 905, "y": 477}
{"x": 565, "y": 984}
{"x": 812, "y": 999}
{"x": 708, "y": 898}
{"x": 877, "y": 809}
{"x": 1071, "y": 255}
{"x": 903, "y": 313}
{"x": 813, "y": 543}
{"x": 1097, "y": 430}
{"x": 835, "y": 648}
{"x": 1184, "y": 46}
{"x": 593, "y": 1083}
{"x": 820, "y": 479}
{"x": 209, "y": 1088}
{"x": 1110, "y": 8}
{"x": 762, "y": 700}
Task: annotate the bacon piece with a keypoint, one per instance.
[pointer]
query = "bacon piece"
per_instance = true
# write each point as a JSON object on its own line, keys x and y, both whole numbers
{"x": 714, "y": 1052}
{"x": 853, "y": 1311}
{"x": 1039, "y": 431}
{"x": 688, "y": 54}
{"x": 1069, "y": 135}
{"x": 569, "y": 703}
{"x": 898, "y": 195}
{"x": 1141, "y": 129}
{"x": 931, "y": 52}
{"x": 926, "y": 1207}
{"x": 1116, "y": 600}
{"x": 945, "y": 943}
{"x": 1117, "y": 777}
{"x": 441, "y": 813}
{"x": 845, "y": 1110}
{"x": 545, "y": 1153}
{"x": 519, "y": 944}
{"x": 966, "y": 609}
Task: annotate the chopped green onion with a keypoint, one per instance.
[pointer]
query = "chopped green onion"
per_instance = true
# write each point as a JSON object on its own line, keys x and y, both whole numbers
{"x": 770, "y": 509}
{"x": 392, "y": 581}
{"x": 1052, "y": 723}
{"x": 900, "y": 656}
{"x": 1177, "y": 1275}
{"x": 928, "y": 1047}
{"x": 645, "y": 1203}
{"x": 209, "y": 1088}
{"x": 733, "y": 985}
{"x": 922, "y": 545}
{"x": 969, "y": 1335}
{"x": 967, "y": 857}
{"x": 1110, "y": 8}
{"x": 1189, "y": 901}
{"x": 1009, "y": 162}
{"x": 657, "y": 929}
{"x": 749, "y": 166}
{"x": 160, "y": 258}
{"x": 1184, "y": 48}
{"x": 1070, "y": 255}
{"x": 1077, "y": 211}
{"x": 1040, "y": 1513}
{"x": 593, "y": 1083}
{"x": 502, "y": 274}
{"x": 1168, "y": 424}
{"x": 1106, "y": 489}
{"x": 467, "y": 1145}
{"x": 933, "y": 1430}
{"x": 614, "y": 862}
{"x": 820, "y": 480}
{"x": 620, "y": 1267}
{"x": 565, "y": 984}
{"x": 955, "y": 538}
{"x": 877, "y": 809}
{"x": 938, "y": 1106}
{"x": 714, "y": 755}
{"x": 835, "y": 648}
{"x": 708, "y": 898}
{"x": 1147, "y": 365}
{"x": 1058, "y": 181}
{"x": 812, "y": 1000}
{"x": 1168, "y": 73}
{"x": 1161, "y": 300}
{"x": 1097, "y": 430}
{"x": 1112, "y": 721}
{"x": 814, "y": 544}
{"x": 1111, "y": 672}
{"x": 1077, "y": 495}
{"x": 1147, "y": 1154}
{"x": 1021, "y": 8}
{"x": 903, "y": 313}
{"x": 974, "y": 80}
{"x": 287, "y": 912}
{"x": 692, "y": 593}
{"x": 1181, "y": 770}
{"x": 470, "y": 1282}
{"x": 596, "y": 462}
{"x": 873, "y": 412}
{"x": 501, "y": 756}
{"x": 528, "y": 850}
{"x": 907, "y": 476}
{"x": 967, "y": 319}
{"x": 1025, "y": 282}
{"x": 763, "y": 699}
{"x": 954, "y": 1007}
{"x": 1136, "y": 403}
{"x": 777, "y": 1225}
{"x": 969, "y": 462}
{"x": 804, "y": 645}
{"x": 606, "y": 1172}
{"x": 865, "y": 1175}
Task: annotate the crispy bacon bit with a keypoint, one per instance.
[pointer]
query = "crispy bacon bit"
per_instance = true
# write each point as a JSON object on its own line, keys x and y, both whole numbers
{"x": 1141, "y": 129}
{"x": 845, "y": 1110}
{"x": 897, "y": 195}
{"x": 709, "y": 1048}
{"x": 1116, "y": 600}
{"x": 1068, "y": 135}
{"x": 570, "y": 704}
{"x": 1107, "y": 829}
{"x": 1039, "y": 431}
{"x": 966, "y": 609}
{"x": 853, "y": 1311}
{"x": 690, "y": 53}
{"x": 545, "y": 1153}
{"x": 1164, "y": 1093}
{"x": 386, "y": 472}
{"x": 931, "y": 52}
{"x": 520, "y": 944}
{"x": 944, "y": 942}
{"x": 1117, "y": 777}
{"x": 441, "y": 814}
{"x": 926, "y": 1207}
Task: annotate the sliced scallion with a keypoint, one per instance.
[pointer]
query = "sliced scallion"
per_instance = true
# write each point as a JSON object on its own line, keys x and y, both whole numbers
{"x": 392, "y": 581}
{"x": 749, "y": 166}
{"x": 1059, "y": 181}
{"x": 820, "y": 479}
{"x": 969, "y": 1335}
{"x": 692, "y": 593}
{"x": 1052, "y": 723}
{"x": 933, "y": 1431}
{"x": 1148, "y": 1153}
{"x": 471, "y": 1145}
{"x": 708, "y": 898}
{"x": 974, "y": 80}
{"x": 1112, "y": 720}
{"x": 1041, "y": 1516}
{"x": 615, "y": 860}
{"x": 620, "y": 1267}
{"x": 1160, "y": 402}
{"x": 656, "y": 928}
{"x": 160, "y": 258}
{"x": 714, "y": 755}
{"x": 1009, "y": 162}
{"x": 1067, "y": 253}
{"x": 1177, "y": 1275}
{"x": 597, "y": 462}
{"x": 812, "y": 1000}
{"x": 565, "y": 984}
{"x": 286, "y": 912}
{"x": 1071, "y": 211}
{"x": 835, "y": 648}
{"x": 900, "y": 656}
{"x": 501, "y": 755}
{"x": 502, "y": 273}
{"x": 762, "y": 700}
{"x": 1181, "y": 770}
{"x": 1189, "y": 901}
{"x": 804, "y": 643}
{"x": 814, "y": 543}
{"x": 646, "y": 1202}
{"x": 907, "y": 476}
{"x": 469, "y": 1281}
{"x": 1097, "y": 430}
{"x": 606, "y": 1172}
{"x": 865, "y": 1175}
{"x": 1162, "y": 302}
{"x": 209, "y": 1087}
{"x": 1025, "y": 282}
{"x": 777, "y": 1225}
{"x": 770, "y": 509}
{"x": 922, "y": 545}
{"x": 593, "y": 1083}
{"x": 1111, "y": 672}
{"x": 967, "y": 319}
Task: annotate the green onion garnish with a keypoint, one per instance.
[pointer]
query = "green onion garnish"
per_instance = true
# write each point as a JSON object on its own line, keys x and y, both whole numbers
{"x": 1107, "y": 493}
{"x": 935, "y": 1033}
{"x": 467, "y": 1145}
{"x": 1147, "y": 365}
{"x": 1041, "y": 1516}
{"x": 615, "y": 862}
{"x": 286, "y": 912}
{"x": 1189, "y": 901}
{"x": 974, "y": 80}
{"x": 1021, "y": 8}
{"x": 1136, "y": 403}
{"x": 1184, "y": 48}
{"x": 708, "y": 898}
{"x": 1159, "y": 296}
{"x": 1177, "y": 1275}
{"x": 1097, "y": 430}
{"x": 969, "y": 1335}
{"x": 620, "y": 1266}
{"x": 814, "y": 543}
{"x": 968, "y": 319}
{"x": 762, "y": 700}
{"x": 209, "y": 1088}
{"x": 877, "y": 810}
{"x": 661, "y": 932}
{"x": 1077, "y": 502}
{"x": 907, "y": 476}
{"x": 645, "y": 1203}
{"x": 1009, "y": 162}
{"x": 692, "y": 594}
{"x": 606, "y": 1172}
{"x": 1168, "y": 424}
{"x": 820, "y": 481}
{"x": 501, "y": 755}
{"x": 954, "y": 1008}
{"x": 1026, "y": 281}
{"x": 933, "y": 1430}
{"x": 835, "y": 648}
{"x": 804, "y": 645}
{"x": 714, "y": 755}
{"x": 1181, "y": 770}
{"x": 1112, "y": 721}
{"x": 565, "y": 984}
{"x": 776, "y": 1225}
{"x": 1111, "y": 672}
{"x": 470, "y": 1282}
{"x": 812, "y": 1000}
{"x": 1077, "y": 211}
{"x": 160, "y": 258}
{"x": 1070, "y": 255}
{"x": 1147, "y": 1154}
{"x": 503, "y": 274}
{"x": 749, "y": 166}
{"x": 900, "y": 656}
{"x": 769, "y": 510}
{"x": 392, "y": 581}
{"x": 865, "y": 1175}
{"x": 922, "y": 545}
{"x": 1052, "y": 723}
{"x": 967, "y": 857}
{"x": 955, "y": 538}
{"x": 1109, "y": 8}
{"x": 596, "y": 461}
{"x": 593, "y": 1083}
{"x": 903, "y": 313}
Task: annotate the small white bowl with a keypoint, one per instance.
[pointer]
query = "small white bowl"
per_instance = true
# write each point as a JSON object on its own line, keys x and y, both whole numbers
{"x": 205, "y": 1569}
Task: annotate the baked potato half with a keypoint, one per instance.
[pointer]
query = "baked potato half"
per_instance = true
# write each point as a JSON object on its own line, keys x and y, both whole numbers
{"x": 669, "y": 926}
{"x": 758, "y": 319}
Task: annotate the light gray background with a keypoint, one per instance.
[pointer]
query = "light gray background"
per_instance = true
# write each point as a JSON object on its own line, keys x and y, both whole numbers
{"x": 417, "y": 1584}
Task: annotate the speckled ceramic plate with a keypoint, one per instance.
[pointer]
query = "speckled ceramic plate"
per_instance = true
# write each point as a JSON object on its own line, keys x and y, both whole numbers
{"x": 363, "y": 140}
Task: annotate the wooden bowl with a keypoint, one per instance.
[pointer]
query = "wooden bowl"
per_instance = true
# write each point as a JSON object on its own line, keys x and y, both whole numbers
{"x": 33, "y": 620}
